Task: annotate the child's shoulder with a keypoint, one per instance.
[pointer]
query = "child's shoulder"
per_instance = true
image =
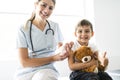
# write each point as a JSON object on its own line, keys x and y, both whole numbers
{"x": 93, "y": 46}
{"x": 75, "y": 45}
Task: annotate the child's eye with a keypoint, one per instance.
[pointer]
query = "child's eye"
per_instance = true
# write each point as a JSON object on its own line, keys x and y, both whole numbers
{"x": 80, "y": 31}
{"x": 43, "y": 5}
{"x": 87, "y": 31}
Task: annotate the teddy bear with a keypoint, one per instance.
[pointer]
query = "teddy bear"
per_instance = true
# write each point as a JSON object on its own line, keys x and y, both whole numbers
{"x": 85, "y": 54}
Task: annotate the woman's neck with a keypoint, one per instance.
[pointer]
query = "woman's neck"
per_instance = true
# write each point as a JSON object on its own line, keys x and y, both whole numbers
{"x": 39, "y": 23}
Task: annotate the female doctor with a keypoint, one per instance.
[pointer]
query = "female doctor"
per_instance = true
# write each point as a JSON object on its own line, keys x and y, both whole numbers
{"x": 36, "y": 42}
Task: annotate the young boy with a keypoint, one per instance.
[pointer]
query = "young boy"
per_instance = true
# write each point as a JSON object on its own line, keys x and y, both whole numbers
{"x": 83, "y": 33}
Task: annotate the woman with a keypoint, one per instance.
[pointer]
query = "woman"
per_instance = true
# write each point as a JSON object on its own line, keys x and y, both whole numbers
{"x": 36, "y": 43}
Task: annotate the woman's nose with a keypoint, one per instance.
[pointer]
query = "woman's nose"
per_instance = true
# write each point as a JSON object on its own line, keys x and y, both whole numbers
{"x": 46, "y": 9}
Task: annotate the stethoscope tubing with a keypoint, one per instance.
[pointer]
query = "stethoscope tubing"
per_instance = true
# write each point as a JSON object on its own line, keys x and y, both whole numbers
{"x": 45, "y": 33}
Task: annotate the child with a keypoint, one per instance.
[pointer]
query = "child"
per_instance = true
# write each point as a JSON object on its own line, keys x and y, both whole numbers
{"x": 83, "y": 33}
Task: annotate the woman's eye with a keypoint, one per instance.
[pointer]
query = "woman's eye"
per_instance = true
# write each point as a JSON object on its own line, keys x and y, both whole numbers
{"x": 86, "y": 59}
{"x": 45, "y": 5}
{"x": 50, "y": 8}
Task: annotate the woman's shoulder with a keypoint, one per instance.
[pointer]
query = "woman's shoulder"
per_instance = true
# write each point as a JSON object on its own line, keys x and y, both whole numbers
{"x": 25, "y": 26}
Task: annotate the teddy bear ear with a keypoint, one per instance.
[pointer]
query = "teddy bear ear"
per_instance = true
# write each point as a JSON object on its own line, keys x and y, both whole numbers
{"x": 88, "y": 48}
{"x": 95, "y": 54}
{"x": 75, "y": 52}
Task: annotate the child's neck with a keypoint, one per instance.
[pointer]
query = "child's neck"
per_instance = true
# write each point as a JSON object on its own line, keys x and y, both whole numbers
{"x": 83, "y": 43}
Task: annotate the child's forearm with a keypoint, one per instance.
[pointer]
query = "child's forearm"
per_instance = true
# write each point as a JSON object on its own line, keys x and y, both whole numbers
{"x": 76, "y": 66}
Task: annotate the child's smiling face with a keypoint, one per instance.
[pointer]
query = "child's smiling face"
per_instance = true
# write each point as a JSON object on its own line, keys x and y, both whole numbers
{"x": 83, "y": 34}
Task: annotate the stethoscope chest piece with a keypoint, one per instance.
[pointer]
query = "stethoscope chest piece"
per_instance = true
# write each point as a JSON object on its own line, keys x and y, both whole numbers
{"x": 49, "y": 29}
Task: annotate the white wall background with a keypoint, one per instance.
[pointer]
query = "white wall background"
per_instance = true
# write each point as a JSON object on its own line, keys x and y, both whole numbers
{"x": 107, "y": 29}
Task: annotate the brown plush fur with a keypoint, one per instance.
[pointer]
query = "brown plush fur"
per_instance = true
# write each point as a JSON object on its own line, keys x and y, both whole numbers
{"x": 84, "y": 54}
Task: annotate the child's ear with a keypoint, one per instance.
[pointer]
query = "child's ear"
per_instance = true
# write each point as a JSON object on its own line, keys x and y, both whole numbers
{"x": 92, "y": 33}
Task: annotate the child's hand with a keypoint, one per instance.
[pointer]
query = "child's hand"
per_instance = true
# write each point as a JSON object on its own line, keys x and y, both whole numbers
{"x": 91, "y": 63}
{"x": 96, "y": 55}
{"x": 68, "y": 48}
{"x": 104, "y": 60}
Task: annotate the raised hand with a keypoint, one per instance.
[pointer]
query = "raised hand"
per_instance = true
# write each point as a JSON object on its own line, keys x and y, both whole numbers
{"x": 104, "y": 60}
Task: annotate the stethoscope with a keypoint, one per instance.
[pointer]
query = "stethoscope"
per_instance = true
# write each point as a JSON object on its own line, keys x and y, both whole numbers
{"x": 49, "y": 29}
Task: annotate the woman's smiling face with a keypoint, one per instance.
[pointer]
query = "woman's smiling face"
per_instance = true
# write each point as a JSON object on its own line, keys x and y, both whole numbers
{"x": 44, "y": 8}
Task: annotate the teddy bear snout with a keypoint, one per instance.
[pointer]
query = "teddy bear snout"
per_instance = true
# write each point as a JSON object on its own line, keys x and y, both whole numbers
{"x": 86, "y": 59}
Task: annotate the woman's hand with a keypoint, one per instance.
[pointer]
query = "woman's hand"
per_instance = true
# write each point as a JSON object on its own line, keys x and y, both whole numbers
{"x": 59, "y": 57}
{"x": 63, "y": 51}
